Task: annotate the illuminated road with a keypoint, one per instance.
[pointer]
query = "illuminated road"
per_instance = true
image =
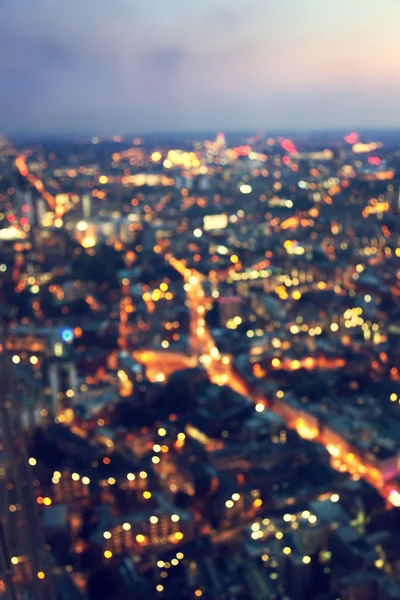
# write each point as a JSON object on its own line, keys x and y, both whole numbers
{"x": 221, "y": 372}
{"x": 170, "y": 361}
{"x": 20, "y": 163}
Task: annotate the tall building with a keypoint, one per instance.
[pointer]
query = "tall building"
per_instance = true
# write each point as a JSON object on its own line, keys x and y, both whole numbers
{"x": 229, "y": 308}
{"x": 25, "y": 566}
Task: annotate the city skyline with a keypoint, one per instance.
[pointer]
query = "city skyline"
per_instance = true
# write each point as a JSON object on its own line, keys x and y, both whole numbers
{"x": 115, "y": 67}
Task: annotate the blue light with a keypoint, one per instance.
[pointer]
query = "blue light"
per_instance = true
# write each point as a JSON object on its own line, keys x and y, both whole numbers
{"x": 67, "y": 335}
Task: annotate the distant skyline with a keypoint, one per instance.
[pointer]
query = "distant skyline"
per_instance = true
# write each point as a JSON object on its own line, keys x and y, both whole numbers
{"x": 123, "y": 66}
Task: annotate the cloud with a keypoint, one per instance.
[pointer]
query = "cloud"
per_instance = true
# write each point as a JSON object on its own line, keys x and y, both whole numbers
{"x": 123, "y": 64}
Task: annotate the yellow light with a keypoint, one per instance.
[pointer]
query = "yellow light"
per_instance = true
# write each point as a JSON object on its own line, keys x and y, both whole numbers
{"x": 160, "y": 377}
{"x": 143, "y": 475}
{"x": 155, "y": 460}
{"x": 88, "y": 242}
{"x": 334, "y": 327}
{"x": 296, "y": 295}
{"x": 15, "y": 560}
{"x": 32, "y": 462}
{"x": 85, "y": 480}
{"x": 279, "y": 535}
{"x": 16, "y": 359}
{"x": 159, "y": 587}
{"x": 287, "y": 550}
{"x": 156, "y": 156}
{"x": 162, "y": 432}
{"x": 276, "y": 362}
{"x": 140, "y": 538}
{"x": 82, "y": 226}
{"x": 234, "y": 259}
{"x": 178, "y": 535}
{"x": 229, "y": 504}
{"x": 131, "y": 477}
{"x": 103, "y": 179}
{"x": 111, "y": 480}
{"x": 181, "y": 437}
{"x": 108, "y": 554}
{"x": 393, "y": 397}
{"x": 287, "y": 518}
{"x": 47, "y": 501}
{"x": 147, "y": 495}
{"x": 257, "y": 503}
{"x": 41, "y": 575}
{"x": 306, "y": 560}
{"x": 126, "y": 527}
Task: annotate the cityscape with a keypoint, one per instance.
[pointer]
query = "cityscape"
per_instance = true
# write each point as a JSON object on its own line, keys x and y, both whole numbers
{"x": 200, "y": 352}
{"x": 199, "y": 300}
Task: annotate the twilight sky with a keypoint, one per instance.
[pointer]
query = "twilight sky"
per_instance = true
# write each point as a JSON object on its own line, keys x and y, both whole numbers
{"x": 116, "y": 66}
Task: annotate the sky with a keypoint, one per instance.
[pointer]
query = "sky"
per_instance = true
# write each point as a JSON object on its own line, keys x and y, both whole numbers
{"x": 134, "y": 66}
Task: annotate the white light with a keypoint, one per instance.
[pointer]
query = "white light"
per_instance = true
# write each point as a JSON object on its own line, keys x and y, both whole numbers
{"x": 260, "y": 407}
{"x": 82, "y": 226}
{"x": 16, "y": 359}
{"x": 175, "y": 518}
{"x": 245, "y": 189}
{"x": 197, "y": 233}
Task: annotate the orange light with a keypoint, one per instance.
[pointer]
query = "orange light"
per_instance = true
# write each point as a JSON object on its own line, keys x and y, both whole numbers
{"x": 257, "y": 503}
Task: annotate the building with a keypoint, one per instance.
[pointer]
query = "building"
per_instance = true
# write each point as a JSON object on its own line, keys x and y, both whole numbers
{"x": 26, "y": 569}
{"x": 229, "y": 308}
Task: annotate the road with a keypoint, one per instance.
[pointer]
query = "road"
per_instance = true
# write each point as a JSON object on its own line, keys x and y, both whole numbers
{"x": 20, "y": 163}
{"x": 221, "y": 372}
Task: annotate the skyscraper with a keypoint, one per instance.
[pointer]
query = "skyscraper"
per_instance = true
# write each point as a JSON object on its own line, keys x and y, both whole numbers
{"x": 25, "y": 567}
